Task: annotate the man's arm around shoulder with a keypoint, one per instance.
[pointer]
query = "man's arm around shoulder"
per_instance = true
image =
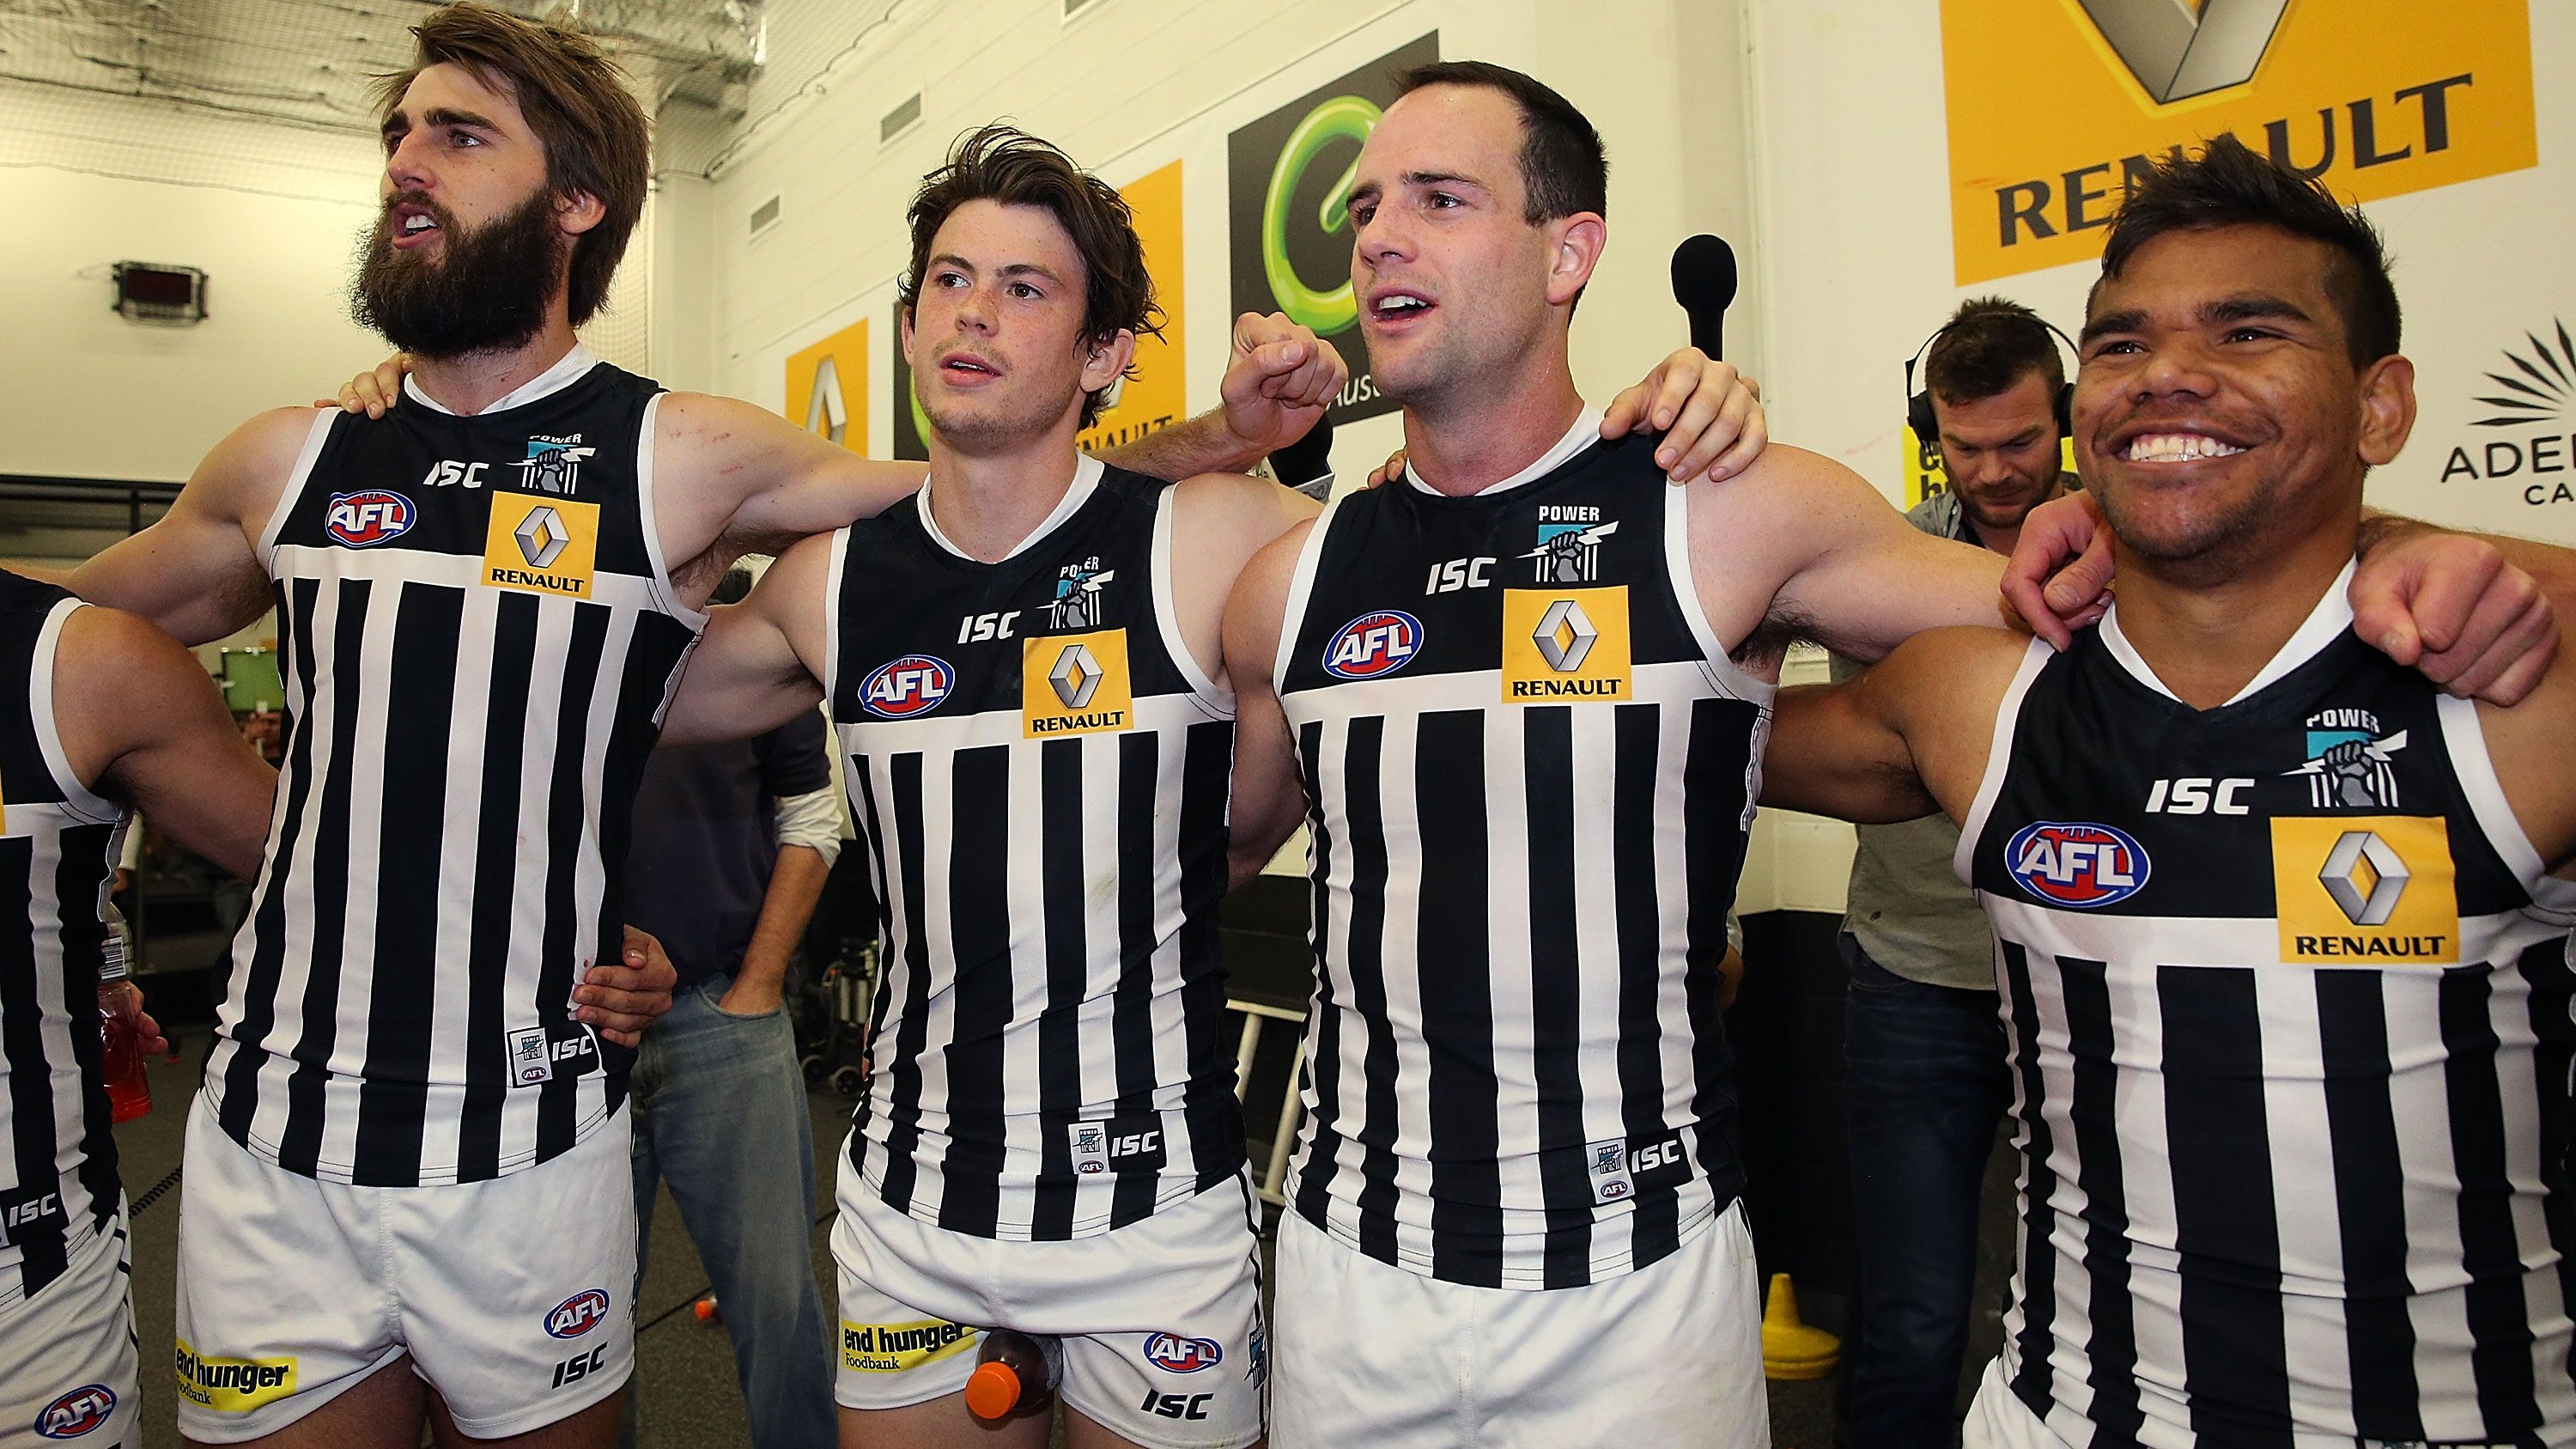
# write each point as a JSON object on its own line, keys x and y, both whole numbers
{"x": 142, "y": 724}
{"x": 1269, "y": 795}
{"x": 1907, "y": 738}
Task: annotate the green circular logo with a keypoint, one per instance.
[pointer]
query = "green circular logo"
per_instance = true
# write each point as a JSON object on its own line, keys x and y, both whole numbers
{"x": 1343, "y": 118}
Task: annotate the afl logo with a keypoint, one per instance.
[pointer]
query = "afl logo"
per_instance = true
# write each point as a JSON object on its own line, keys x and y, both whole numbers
{"x": 578, "y": 1314}
{"x": 77, "y": 1412}
{"x": 365, "y": 519}
{"x": 1174, "y": 1354}
{"x": 2077, "y": 865}
{"x": 914, "y": 684}
{"x": 1373, "y": 645}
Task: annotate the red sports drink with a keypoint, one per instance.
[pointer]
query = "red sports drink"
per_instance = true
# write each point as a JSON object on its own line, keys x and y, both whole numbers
{"x": 120, "y": 1001}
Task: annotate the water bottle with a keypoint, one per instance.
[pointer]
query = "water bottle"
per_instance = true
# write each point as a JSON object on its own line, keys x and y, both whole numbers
{"x": 120, "y": 1001}
{"x": 1013, "y": 1371}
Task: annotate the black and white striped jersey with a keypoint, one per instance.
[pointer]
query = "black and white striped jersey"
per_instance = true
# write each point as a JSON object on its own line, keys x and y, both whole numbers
{"x": 2288, "y": 1001}
{"x": 1039, "y": 771}
{"x": 478, "y": 635}
{"x": 1530, "y": 768}
{"x": 57, "y": 850}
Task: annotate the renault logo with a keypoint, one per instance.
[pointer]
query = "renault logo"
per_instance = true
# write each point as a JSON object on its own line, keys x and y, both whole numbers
{"x": 541, "y": 535}
{"x": 1076, "y": 676}
{"x": 2183, "y": 48}
{"x": 1564, "y": 635}
{"x": 2365, "y": 877}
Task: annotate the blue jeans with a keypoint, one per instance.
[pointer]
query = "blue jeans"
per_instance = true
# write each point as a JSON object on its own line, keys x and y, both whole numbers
{"x": 719, "y": 1106}
{"x": 1926, "y": 1084}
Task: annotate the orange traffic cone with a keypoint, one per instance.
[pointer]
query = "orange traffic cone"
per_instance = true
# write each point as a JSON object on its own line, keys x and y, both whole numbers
{"x": 1790, "y": 1349}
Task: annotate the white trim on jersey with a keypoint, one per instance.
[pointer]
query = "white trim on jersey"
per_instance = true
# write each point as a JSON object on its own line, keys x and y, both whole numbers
{"x": 665, "y": 595}
{"x": 2331, "y": 616}
{"x": 832, "y": 619}
{"x": 1585, "y": 432}
{"x": 78, "y": 801}
{"x": 1087, "y": 472}
{"x": 566, "y": 370}
{"x": 2465, "y": 737}
{"x": 1301, "y": 585}
{"x": 1998, "y": 759}
{"x": 1723, "y": 672}
{"x": 1167, "y": 614}
{"x": 314, "y": 438}
{"x": 465, "y": 571}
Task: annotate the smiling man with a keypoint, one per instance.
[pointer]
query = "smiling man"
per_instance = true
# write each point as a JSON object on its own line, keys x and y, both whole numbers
{"x": 2282, "y": 928}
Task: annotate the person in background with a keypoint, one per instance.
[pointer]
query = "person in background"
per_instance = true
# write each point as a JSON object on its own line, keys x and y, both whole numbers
{"x": 1923, "y": 1048}
{"x": 733, "y": 843}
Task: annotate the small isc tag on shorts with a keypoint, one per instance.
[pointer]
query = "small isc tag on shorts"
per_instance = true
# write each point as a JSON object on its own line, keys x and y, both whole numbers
{"x": 530, "y": 1062}
{"x": 1607, "y": 1163}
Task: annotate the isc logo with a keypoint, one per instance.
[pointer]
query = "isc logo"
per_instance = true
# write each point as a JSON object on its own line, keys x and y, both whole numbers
{"x": 1373, "y": 645}
{"x": 1174, "y": 1354}
{"x": 578, "y": 1367}
{"x": 24, "y": 1214}
{"x": 1132, "y": 1143}
{"x": 1661, "y": 1154}
{"x": 914, "y": 684}
{"x": 368, "y": 518}
{"x": 77, "y": 1412}
{"x": 448, "y": 473}
{"x": 578, "y": 1314}
{"x": 2078, "y": 865}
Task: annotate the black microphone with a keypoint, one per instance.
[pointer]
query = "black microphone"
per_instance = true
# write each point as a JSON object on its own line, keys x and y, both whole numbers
{"x": 1307, "y": 464}
{"x": 1704, "y": 283}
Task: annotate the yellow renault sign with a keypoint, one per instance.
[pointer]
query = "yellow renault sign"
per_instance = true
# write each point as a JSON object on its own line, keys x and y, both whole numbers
{"x": 2053, "y": 104}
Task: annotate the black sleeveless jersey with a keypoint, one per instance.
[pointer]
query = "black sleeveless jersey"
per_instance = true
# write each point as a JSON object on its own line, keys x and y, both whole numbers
{"x": 2288, "y": 1003}
{"x": 1040, "y": 772}
{"x": 58, "y": 846}
{"x": 478, "y": 635}
{"x": 1531, "y": 767}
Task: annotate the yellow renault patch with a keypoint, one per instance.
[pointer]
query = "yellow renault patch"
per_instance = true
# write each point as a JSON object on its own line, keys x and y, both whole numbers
{"x": 541, "y": 545}
{"x": 233, "y": 1385}
{"x": 888, "y": 1348}
{"x": 1075, "y": 684}
{"x": 2365, "y": 890}
{"x": 1565, "y": 644}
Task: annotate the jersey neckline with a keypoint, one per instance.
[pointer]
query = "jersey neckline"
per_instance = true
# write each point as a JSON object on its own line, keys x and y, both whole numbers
{"x": 2325, "y": 623}
{"x": 1087, "y": 473}
{"x": 568, "y": 369}
{"x": 1585, "y": 432}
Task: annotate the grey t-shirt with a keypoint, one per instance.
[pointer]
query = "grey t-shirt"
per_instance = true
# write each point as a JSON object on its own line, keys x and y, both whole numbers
{"x": 1907, "y": 908}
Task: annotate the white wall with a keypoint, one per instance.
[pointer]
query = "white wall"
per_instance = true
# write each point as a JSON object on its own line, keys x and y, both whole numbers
{"x": 272, "y": 214}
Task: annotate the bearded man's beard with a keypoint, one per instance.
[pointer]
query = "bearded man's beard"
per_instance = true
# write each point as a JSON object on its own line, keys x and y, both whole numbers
{"x": 484, "y": 289}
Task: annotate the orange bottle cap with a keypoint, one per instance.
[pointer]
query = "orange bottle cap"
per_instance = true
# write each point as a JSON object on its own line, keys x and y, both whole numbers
{"x": 993, "y": 1390}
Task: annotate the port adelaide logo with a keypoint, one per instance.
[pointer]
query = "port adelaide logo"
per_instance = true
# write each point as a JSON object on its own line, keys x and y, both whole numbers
{"x": 2349, "y": 761}
{"x": 368, "y": 517}
{"x": 2082, "y": 866}
{"x": 553, "y": 465}
{"x": 903, "y": 688}
{"x": 1077, "y": 602}
{"x": 1569, "y": 543}
{"x": 1373, "y": 645}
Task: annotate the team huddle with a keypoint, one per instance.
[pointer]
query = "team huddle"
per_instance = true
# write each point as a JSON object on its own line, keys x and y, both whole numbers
{"x": 2282, "y": 925}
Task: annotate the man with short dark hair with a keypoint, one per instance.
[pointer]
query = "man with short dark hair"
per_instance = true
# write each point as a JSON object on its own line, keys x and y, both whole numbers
{"x": 1923, "y": 1052}
{"x": 2282, "y": 927}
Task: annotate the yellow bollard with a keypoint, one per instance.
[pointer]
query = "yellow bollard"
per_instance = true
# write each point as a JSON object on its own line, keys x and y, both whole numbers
{"x": 1790, "y": 1349}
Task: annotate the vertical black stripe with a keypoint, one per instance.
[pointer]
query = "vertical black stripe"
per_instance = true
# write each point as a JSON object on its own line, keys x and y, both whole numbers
{"x": 903, "y": 1107}
{"x": 393, "y": 1094}
{"x": 1713, "y": 844}
{"x": 41, "y": 1248}
{"x": 1453, "y": 971}
{"x": 2553, "y": 1023}
{"x": 2226, "y": 1227}
{"x": 496, "y": 890}
{"x": 979, "y": 932}
{"x": 1362, "y": 761}
{"x": 567, "y": 938}
{"x": 1062, "y": 878}
{"x": 79, "y": 878}
{"x": 1323, "y": 1046}
{"x": 256, "y": 987}
{"x": 2370, "y": 1202}
{"x": 1131, "y": 1009}
{"x": 1215, "y": 1118}
{"x": 654, "y": 651}
{"x": 1556, "y": 994}
{"x": 300, "y": 1145}
{"x": 858, "y": 770}
{"x": 2032, "y": 1381}
{"x": 2490, "y": 1255}
{"x": 1636, "y": 891}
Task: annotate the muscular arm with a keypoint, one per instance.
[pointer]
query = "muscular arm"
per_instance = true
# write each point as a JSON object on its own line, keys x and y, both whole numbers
{"x": 1219, "y": 523}
{"x": 1901, "y": 740}
{"x": 758, "y": 664}
{"x": 142, "y": 724}
{"x": 193, "y": 572}
{"x": 1269, "y": 797}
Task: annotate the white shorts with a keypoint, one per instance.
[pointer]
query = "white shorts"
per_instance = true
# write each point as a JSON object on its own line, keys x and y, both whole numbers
{"x": 513, "y": 1297}
{"x": 67, "y": 1355}
{"x": 1382, "y": 1356}
{"x": 1160, "y": 1319}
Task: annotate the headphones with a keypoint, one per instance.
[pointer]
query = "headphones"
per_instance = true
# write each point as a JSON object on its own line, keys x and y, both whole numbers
{"x": 1918, "y": 405}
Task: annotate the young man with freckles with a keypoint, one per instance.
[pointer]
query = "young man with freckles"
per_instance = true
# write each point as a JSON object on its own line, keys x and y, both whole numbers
{"x": 2281, "y": 927}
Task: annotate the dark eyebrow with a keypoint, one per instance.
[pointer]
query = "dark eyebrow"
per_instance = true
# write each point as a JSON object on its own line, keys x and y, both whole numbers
{"x": 2110, "y": 322}
{"x": 443, "y": 116}
{"x": 1015, "y": 269}
{"x": 2249, "y": 306}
